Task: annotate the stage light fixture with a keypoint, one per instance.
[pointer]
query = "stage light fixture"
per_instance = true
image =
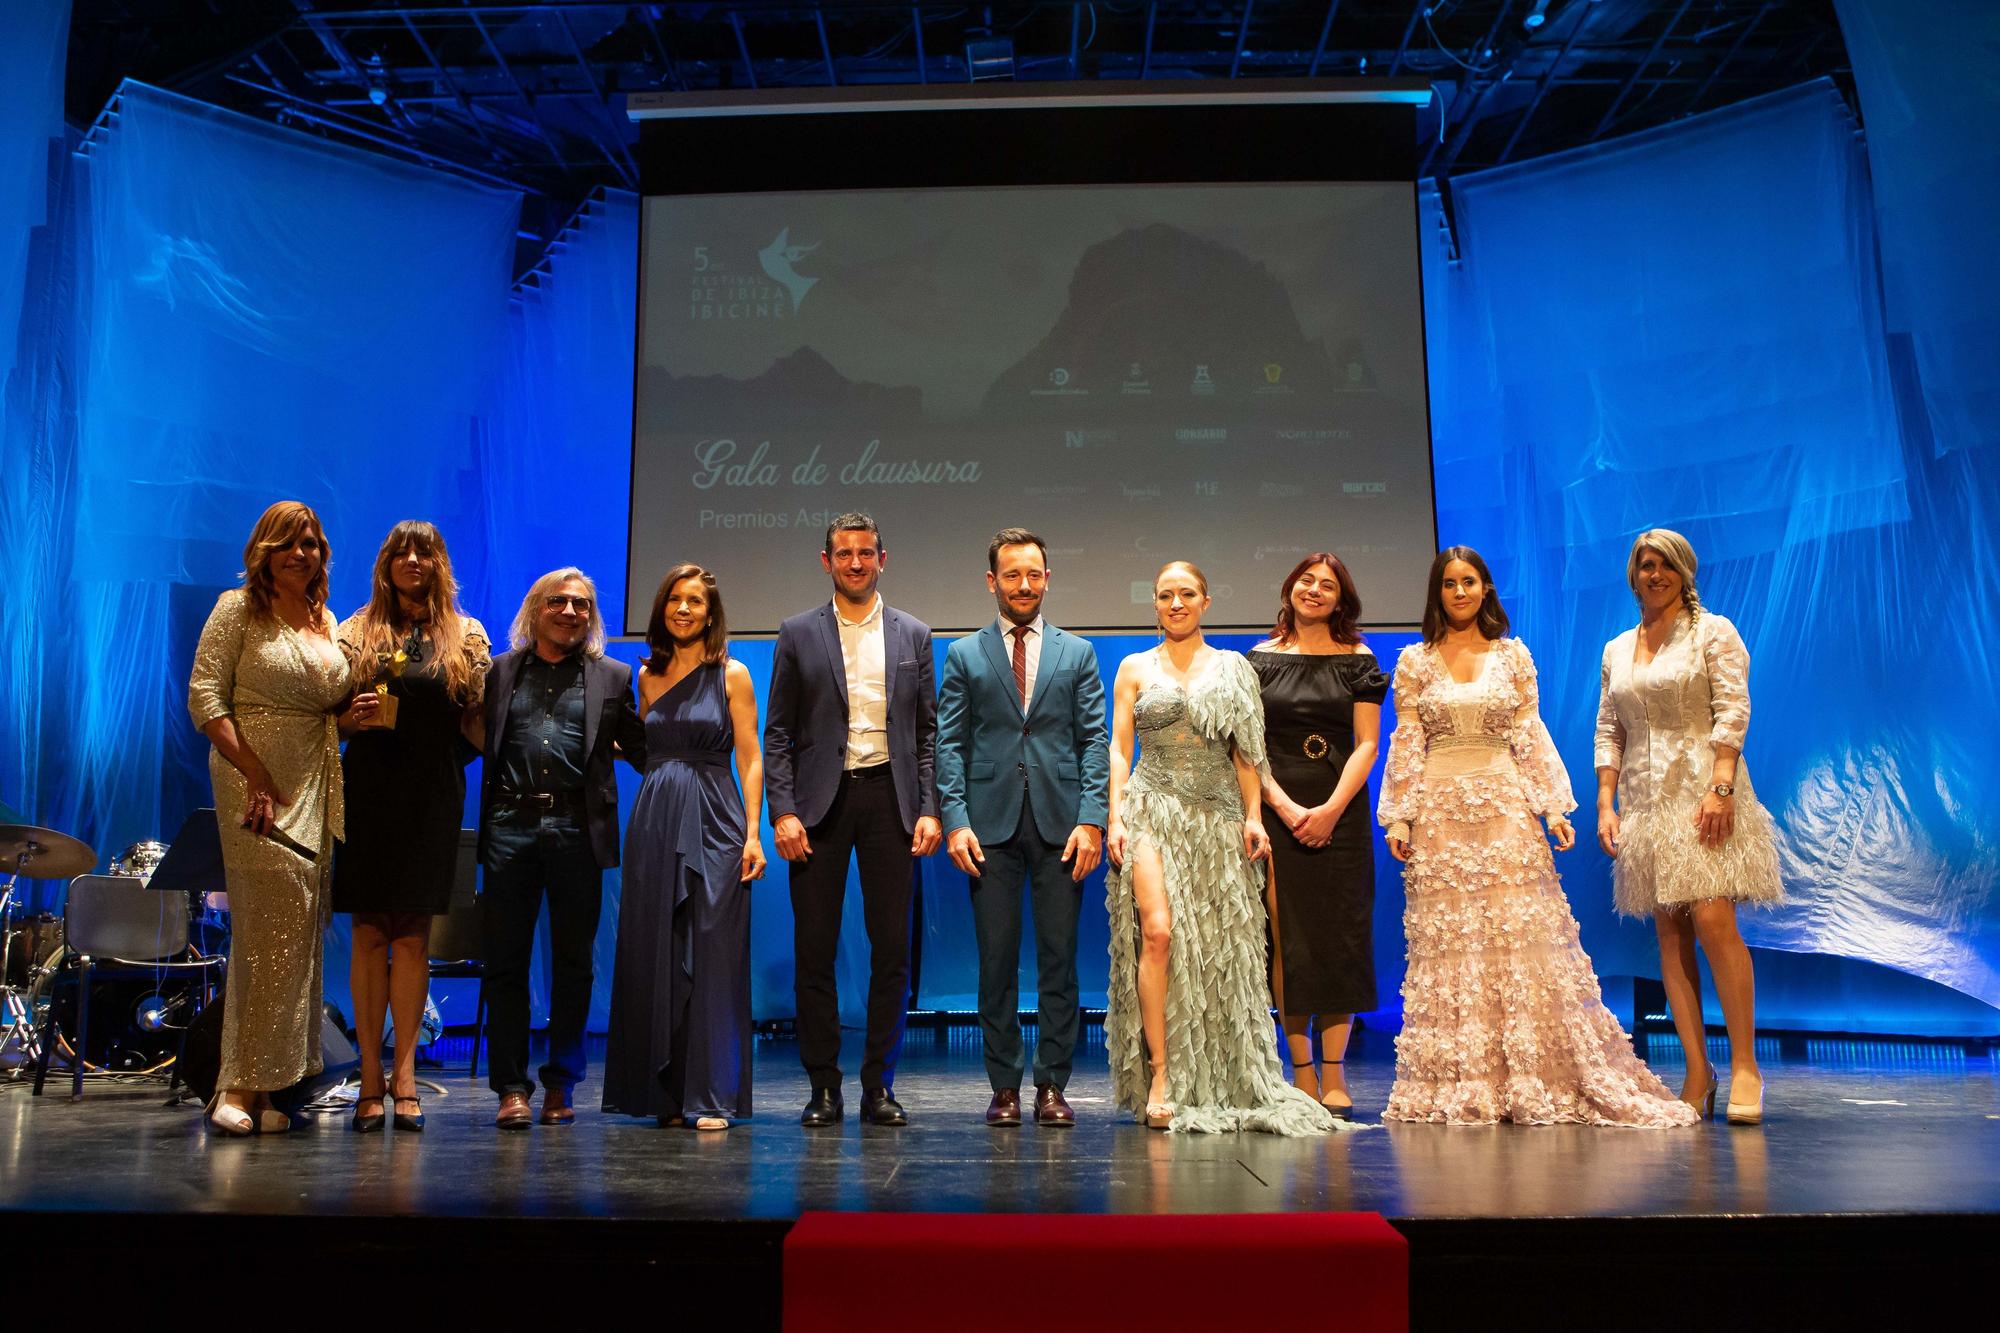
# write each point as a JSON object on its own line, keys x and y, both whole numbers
{"x": 1537, "y": 16}
{"x": 989, "y": 58}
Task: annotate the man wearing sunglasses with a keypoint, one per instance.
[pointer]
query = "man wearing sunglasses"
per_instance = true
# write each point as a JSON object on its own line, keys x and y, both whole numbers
{"x": 557, "y": 713}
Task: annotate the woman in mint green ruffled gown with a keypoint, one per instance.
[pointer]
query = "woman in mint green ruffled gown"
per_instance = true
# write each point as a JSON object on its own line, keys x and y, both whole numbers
{"x": 1188, "y": 1025}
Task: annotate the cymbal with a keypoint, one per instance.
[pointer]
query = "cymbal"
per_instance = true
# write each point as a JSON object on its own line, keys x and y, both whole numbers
{"x": 50, "y": 855}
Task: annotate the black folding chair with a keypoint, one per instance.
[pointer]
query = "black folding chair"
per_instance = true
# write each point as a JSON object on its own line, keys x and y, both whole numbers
{"x": 113, "y": 925}
{"x": 458, "y": 939}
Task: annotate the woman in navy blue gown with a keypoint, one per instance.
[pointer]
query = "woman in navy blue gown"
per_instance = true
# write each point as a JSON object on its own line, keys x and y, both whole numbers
{"x": 679, "y": 1045}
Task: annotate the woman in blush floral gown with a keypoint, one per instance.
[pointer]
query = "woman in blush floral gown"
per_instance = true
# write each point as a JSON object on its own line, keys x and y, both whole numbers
{"x": 1502, "y": 1016}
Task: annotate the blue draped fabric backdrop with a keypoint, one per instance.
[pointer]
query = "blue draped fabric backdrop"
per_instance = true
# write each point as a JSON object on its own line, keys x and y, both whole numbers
{"x": 32, "y": 465}
{"x": 1684, "y": 328}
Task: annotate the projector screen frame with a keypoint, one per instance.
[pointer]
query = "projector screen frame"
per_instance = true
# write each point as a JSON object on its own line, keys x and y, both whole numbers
{"x": 932, "y": 137}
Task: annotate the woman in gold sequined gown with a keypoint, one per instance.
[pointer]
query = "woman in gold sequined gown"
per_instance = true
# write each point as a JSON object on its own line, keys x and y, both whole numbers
{"x": 267, "y": 677}
{"x": 1502, "y": 1014}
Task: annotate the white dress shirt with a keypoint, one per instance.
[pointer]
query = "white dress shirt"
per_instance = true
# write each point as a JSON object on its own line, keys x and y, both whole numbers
{"x": 1034, "y": 646}
{"x": 861, "y": 651}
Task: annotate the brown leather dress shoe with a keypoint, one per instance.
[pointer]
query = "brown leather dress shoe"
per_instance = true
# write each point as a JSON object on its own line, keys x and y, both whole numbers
{"x": 556, "y": 1109}
{"x": 515, "y": 1113}
{"x": 1004, "y": 1111}
{"x": 1051, "y": 1109}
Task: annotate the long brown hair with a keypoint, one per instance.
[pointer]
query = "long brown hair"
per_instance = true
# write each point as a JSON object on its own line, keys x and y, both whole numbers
{"x": 1492, "y": 619}
{"x": 379, "y": 637}
{"x": 281, "y": 525}
{"x": 714, "y": 638}
{"x": 1343, "y": 624}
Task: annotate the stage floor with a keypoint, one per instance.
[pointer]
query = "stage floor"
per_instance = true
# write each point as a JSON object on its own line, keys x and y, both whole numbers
{"x": 1870, "y": 1134}
{"x": 1871, "y": 1194}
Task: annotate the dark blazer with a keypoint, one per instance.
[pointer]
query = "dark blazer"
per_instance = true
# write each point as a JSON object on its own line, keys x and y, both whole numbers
{"x": 988, "y": 752}
{"x": 610, "y": 716}
{"x": 805, "y": 728}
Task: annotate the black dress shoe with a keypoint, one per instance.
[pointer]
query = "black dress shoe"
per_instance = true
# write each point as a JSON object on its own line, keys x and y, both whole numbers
{"x": 410, "y": 1122}
{"x": 879, "y": 1108}
{"x": 824, "y": 1109}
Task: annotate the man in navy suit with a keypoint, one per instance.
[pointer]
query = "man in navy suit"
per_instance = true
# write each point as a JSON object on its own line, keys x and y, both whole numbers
{"x": 850, "y": 743}
{"x": 1023, "y": 781}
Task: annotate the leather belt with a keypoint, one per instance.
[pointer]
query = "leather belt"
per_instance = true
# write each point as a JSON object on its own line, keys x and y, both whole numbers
{"x": 1311, "y": 744}
{"x": 868, "y": 774}
{"x": 541, "y": 802}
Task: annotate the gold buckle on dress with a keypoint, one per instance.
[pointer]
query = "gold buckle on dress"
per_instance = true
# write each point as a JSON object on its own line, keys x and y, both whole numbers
{"x": 1315, "y": 746}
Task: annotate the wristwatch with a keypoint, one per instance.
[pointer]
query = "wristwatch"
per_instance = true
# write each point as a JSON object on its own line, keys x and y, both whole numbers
{"x": 1724, "y": 789}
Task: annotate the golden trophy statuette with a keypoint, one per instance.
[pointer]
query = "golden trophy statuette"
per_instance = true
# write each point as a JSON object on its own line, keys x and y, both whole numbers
{"x": 387, "y": 717}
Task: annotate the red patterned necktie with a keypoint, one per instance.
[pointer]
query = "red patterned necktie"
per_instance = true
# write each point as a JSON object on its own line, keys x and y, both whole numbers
{"x": 1021, "y": 665}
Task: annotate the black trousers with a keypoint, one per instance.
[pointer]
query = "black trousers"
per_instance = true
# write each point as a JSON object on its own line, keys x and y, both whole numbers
{"x": 996, "y": 922}
{"x": 864, "y": 823}
{"x": 531, "y": 855}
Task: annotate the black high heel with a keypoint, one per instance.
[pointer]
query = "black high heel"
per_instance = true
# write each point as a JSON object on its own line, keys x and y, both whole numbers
{"x": 412, "y": 1123}
{"x": 368, "y": 1124}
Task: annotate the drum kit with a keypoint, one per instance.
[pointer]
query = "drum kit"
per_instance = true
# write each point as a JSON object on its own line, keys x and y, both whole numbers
{"x": 137, "y": 1021}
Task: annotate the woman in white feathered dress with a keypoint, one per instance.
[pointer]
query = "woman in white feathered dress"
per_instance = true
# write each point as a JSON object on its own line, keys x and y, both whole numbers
{"x": 1675, "y": 809}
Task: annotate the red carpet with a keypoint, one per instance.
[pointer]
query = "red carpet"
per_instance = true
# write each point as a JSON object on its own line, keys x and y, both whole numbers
{"x": 963, "y": 1272}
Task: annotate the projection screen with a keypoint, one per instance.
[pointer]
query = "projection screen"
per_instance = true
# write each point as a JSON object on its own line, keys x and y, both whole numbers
{"x": 1230, "y": 372}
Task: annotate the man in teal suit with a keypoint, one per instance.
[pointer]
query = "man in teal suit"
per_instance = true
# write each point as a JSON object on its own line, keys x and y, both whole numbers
{"x": 1023, "y": 776}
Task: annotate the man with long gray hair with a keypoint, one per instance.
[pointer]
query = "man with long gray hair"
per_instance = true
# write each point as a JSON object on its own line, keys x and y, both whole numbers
{"x": 557, "y": 713}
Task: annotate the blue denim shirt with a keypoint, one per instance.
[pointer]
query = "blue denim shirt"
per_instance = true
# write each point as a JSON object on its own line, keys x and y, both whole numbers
{"x": 544, "y": 747}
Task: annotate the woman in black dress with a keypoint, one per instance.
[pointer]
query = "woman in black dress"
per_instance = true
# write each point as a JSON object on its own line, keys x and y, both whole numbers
{"x": 1322, "y": 692}
{"x": 405, "y": 775}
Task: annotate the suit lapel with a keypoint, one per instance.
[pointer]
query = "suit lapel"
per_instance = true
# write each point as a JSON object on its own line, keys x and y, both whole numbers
{"x": 595, "y": 680}
{"x": 500, "y": 695}
{"x": 1046, "y": 665}
{"x": 996, "y": 646}
{"x": 829, "y": 634}
{"x": 892, "y": 650}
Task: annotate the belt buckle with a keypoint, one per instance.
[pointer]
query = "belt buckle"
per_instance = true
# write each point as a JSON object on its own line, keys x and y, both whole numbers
{"x": 544, "y": 801}
{"x": 1315, "y": 746}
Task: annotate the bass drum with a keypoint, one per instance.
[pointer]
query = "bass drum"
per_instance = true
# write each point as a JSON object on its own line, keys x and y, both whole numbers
{"x": 32, "y": 943}
{"x": 136, "y": 1022}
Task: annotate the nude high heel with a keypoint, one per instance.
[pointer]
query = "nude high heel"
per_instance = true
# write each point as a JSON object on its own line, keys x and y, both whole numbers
{"x": 1743, "y": 1113}
{"x": 1335, "y": 1109}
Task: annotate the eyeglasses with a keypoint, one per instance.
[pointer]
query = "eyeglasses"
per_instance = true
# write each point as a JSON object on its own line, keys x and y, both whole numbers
{"x": 556, "y": 601}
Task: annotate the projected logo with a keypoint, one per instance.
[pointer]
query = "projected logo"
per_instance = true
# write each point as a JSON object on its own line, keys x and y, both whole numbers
{"x": 778, "y": 260}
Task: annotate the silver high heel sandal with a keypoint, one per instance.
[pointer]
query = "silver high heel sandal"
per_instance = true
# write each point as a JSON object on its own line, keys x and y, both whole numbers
{"x": 1158, "y": 1114}
{"x": 1704, "y": 1105}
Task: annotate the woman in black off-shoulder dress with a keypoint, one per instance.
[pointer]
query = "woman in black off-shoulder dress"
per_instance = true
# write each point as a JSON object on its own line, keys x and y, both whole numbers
{"x": 1322, "y": 690}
